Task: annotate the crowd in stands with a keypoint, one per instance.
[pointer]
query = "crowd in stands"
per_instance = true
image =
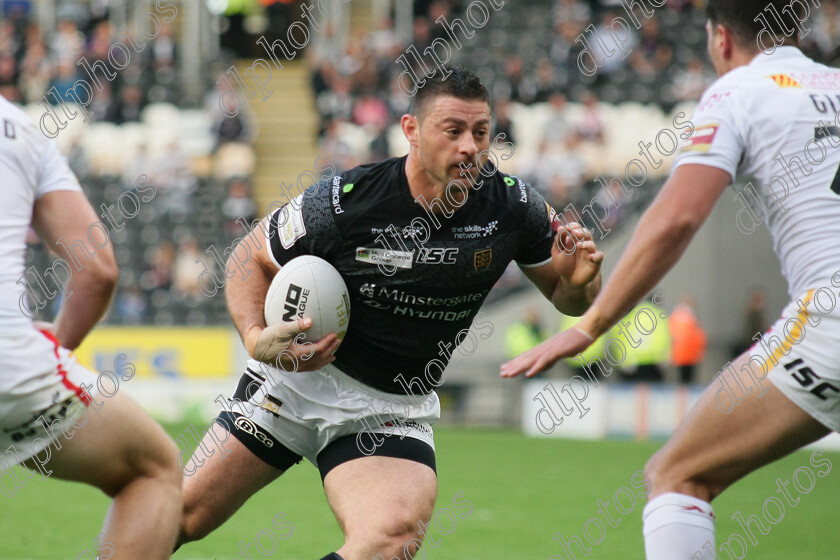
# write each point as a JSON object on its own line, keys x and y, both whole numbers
{"x": 563, "y": 122}
{"x": 533, "y": 61}
{"x": 193, "y": 206}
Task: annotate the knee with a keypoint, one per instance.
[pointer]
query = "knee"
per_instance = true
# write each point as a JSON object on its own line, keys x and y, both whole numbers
{"x": 158, "y": 462}
{"x": 192, "y": 527}
{"x": 666, "y": 473}
{"x": 396, "y": 537}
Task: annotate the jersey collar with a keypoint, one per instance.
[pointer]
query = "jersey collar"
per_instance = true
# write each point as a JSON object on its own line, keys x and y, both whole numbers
{"x": 786, "y": 52}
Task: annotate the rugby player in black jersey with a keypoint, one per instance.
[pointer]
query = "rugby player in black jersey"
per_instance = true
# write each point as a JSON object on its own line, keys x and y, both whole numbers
{"x": 419, "y": 241}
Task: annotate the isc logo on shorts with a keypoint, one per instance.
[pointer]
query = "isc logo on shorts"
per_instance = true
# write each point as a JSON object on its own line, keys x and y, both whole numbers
{"x": 806, "y": 377}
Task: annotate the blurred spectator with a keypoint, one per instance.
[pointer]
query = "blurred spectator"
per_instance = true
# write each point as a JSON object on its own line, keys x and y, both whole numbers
{"x": 525, "y": 333}
{"x": 35, "y": 69}
{"x": 174, "y": 180}
{"x": 158, "y": 274}
{"x": 380, "y": 147}
{"x": 511, "y": 85}
{"x": 690, "y": 82}
{"x": 238, "y": 205}
{"x": 186, "y": 269}
{"x": 546, "y": 83}
{"x": 370, "y": 111}
{"x": 236, "y": 128}
{"x": 573, "y": 11}
{"x": 644, "y": 363}
{"x": 826, "y": 33}
{"x": 502, "y": 122}
{"x": 754, "y": 324}
{"x": 557, "y": 127}
{"x": 688, "y": 339}
{"x": 335, "y": 149}
{"x": 127, "y": 107}
{"x": 336, "y": 102}
{"x": 63, "y": 82}
{"x": 9, "y": 77}
{"x": 653, "y": 53}
{"x": 67, "y": 43}
{"x": 591, "y": 127}
{"x": 131, "y": 305}
{"x": 609, "y": 63}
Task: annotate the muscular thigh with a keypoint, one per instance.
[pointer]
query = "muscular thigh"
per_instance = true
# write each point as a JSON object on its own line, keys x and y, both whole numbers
{"x": 728, "y": 434}
{"x": 369, "y": 493}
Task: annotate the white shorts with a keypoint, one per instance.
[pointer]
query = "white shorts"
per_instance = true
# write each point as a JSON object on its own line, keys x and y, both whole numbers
{"x": 40, "y": 385}
{"x": 802, "y": 350}
{"x": 308, "y": 412}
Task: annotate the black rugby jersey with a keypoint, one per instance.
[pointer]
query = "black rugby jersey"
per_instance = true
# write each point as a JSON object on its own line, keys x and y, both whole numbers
{"x": 415, "y": 278}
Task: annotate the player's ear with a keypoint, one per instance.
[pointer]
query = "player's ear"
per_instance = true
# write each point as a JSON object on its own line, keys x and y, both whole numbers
{"x": 410, "y": 128}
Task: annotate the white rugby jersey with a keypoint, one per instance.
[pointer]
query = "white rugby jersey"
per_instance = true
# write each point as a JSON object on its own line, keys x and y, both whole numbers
{"x": 762, "y": 121}
{"x": 30, "y": 166}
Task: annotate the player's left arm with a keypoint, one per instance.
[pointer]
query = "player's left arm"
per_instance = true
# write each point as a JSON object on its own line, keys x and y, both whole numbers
{"x": 570, "y": 281}
{"x": 663, "y": 233}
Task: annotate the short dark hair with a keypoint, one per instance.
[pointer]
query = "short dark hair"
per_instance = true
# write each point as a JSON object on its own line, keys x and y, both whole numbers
{"x": 739, "y": 16}
{"x": 459, "y": 82}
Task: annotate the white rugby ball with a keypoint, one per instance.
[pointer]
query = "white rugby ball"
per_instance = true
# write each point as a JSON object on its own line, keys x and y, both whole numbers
{"x": 309, "y": 286}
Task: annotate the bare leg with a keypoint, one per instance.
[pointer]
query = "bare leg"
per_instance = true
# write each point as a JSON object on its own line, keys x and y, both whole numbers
{"x": 219, "y": 487}
{"x": 126, "y": 454}
{"x": 710, "y": 449}
{"x": 378, "y": 502}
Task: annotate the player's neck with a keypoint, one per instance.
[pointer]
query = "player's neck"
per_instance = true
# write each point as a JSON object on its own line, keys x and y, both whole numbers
{"x": 424, "y": 188}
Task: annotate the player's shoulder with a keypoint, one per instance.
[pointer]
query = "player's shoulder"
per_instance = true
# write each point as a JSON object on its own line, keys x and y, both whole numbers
{"x": 511, "y": 191}
{"x": 357, "y": 189}
{"x": 16, "y": 123}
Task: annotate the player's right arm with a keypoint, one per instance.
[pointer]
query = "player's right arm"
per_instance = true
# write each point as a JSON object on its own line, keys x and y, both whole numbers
{"x": 245, "y": 294}
{"x": 66, "y": 216}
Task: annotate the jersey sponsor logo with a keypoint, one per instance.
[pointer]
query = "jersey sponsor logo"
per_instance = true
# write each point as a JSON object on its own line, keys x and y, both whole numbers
{"x": 821, "y": 80}
{"x": 701, "y": 139}
{"x": 336, "y": 197}
{"x": 523, "y": 193}
{"x": 377, "y": 256}
{"x": 290, "y": 220}
{"x": 784, "y": 81}
{"x": 437, "y": 255}
{"x": 474, "y": 232}
{"x": 483, "y": 258}
{"x": 295, "y": 305}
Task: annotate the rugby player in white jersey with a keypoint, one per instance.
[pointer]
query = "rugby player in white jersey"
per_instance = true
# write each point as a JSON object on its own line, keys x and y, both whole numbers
{"x": 772, "y": 116}
{"x": 52, "y": 418}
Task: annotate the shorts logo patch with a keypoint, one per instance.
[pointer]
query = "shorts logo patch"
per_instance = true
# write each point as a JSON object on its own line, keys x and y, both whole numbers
{"x": 806, "y": 377}
{"x": 483, "y": 258}
{"x": 701, "y": 140}
{"x": 784, "y": 81}
{"x": 377, "y": 256}
{"x": 290, "y": 223}
{"x": 250, "y": 428}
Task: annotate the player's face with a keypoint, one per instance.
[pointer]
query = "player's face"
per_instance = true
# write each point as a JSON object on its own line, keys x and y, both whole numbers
{"x": 452, "y": 134}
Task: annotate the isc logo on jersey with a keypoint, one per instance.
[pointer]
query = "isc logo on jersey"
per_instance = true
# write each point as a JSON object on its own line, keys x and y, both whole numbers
{"x": 437, "y": 255}
{"x": 295, "y": 305}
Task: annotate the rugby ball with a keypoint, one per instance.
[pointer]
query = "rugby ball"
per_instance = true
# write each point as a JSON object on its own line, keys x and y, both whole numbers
{"x": 308, "y": 286}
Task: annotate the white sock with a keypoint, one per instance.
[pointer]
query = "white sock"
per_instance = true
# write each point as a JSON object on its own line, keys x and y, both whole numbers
{"x": 676, "y": 527}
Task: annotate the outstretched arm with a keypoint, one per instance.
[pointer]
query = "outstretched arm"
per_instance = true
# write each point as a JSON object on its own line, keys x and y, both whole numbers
{"x": 663, "y": 233}
{"x": 570, "y": 281}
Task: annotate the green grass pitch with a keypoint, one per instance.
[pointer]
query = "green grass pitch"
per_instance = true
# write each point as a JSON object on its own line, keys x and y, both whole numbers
{"x": 523, "y": 491}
